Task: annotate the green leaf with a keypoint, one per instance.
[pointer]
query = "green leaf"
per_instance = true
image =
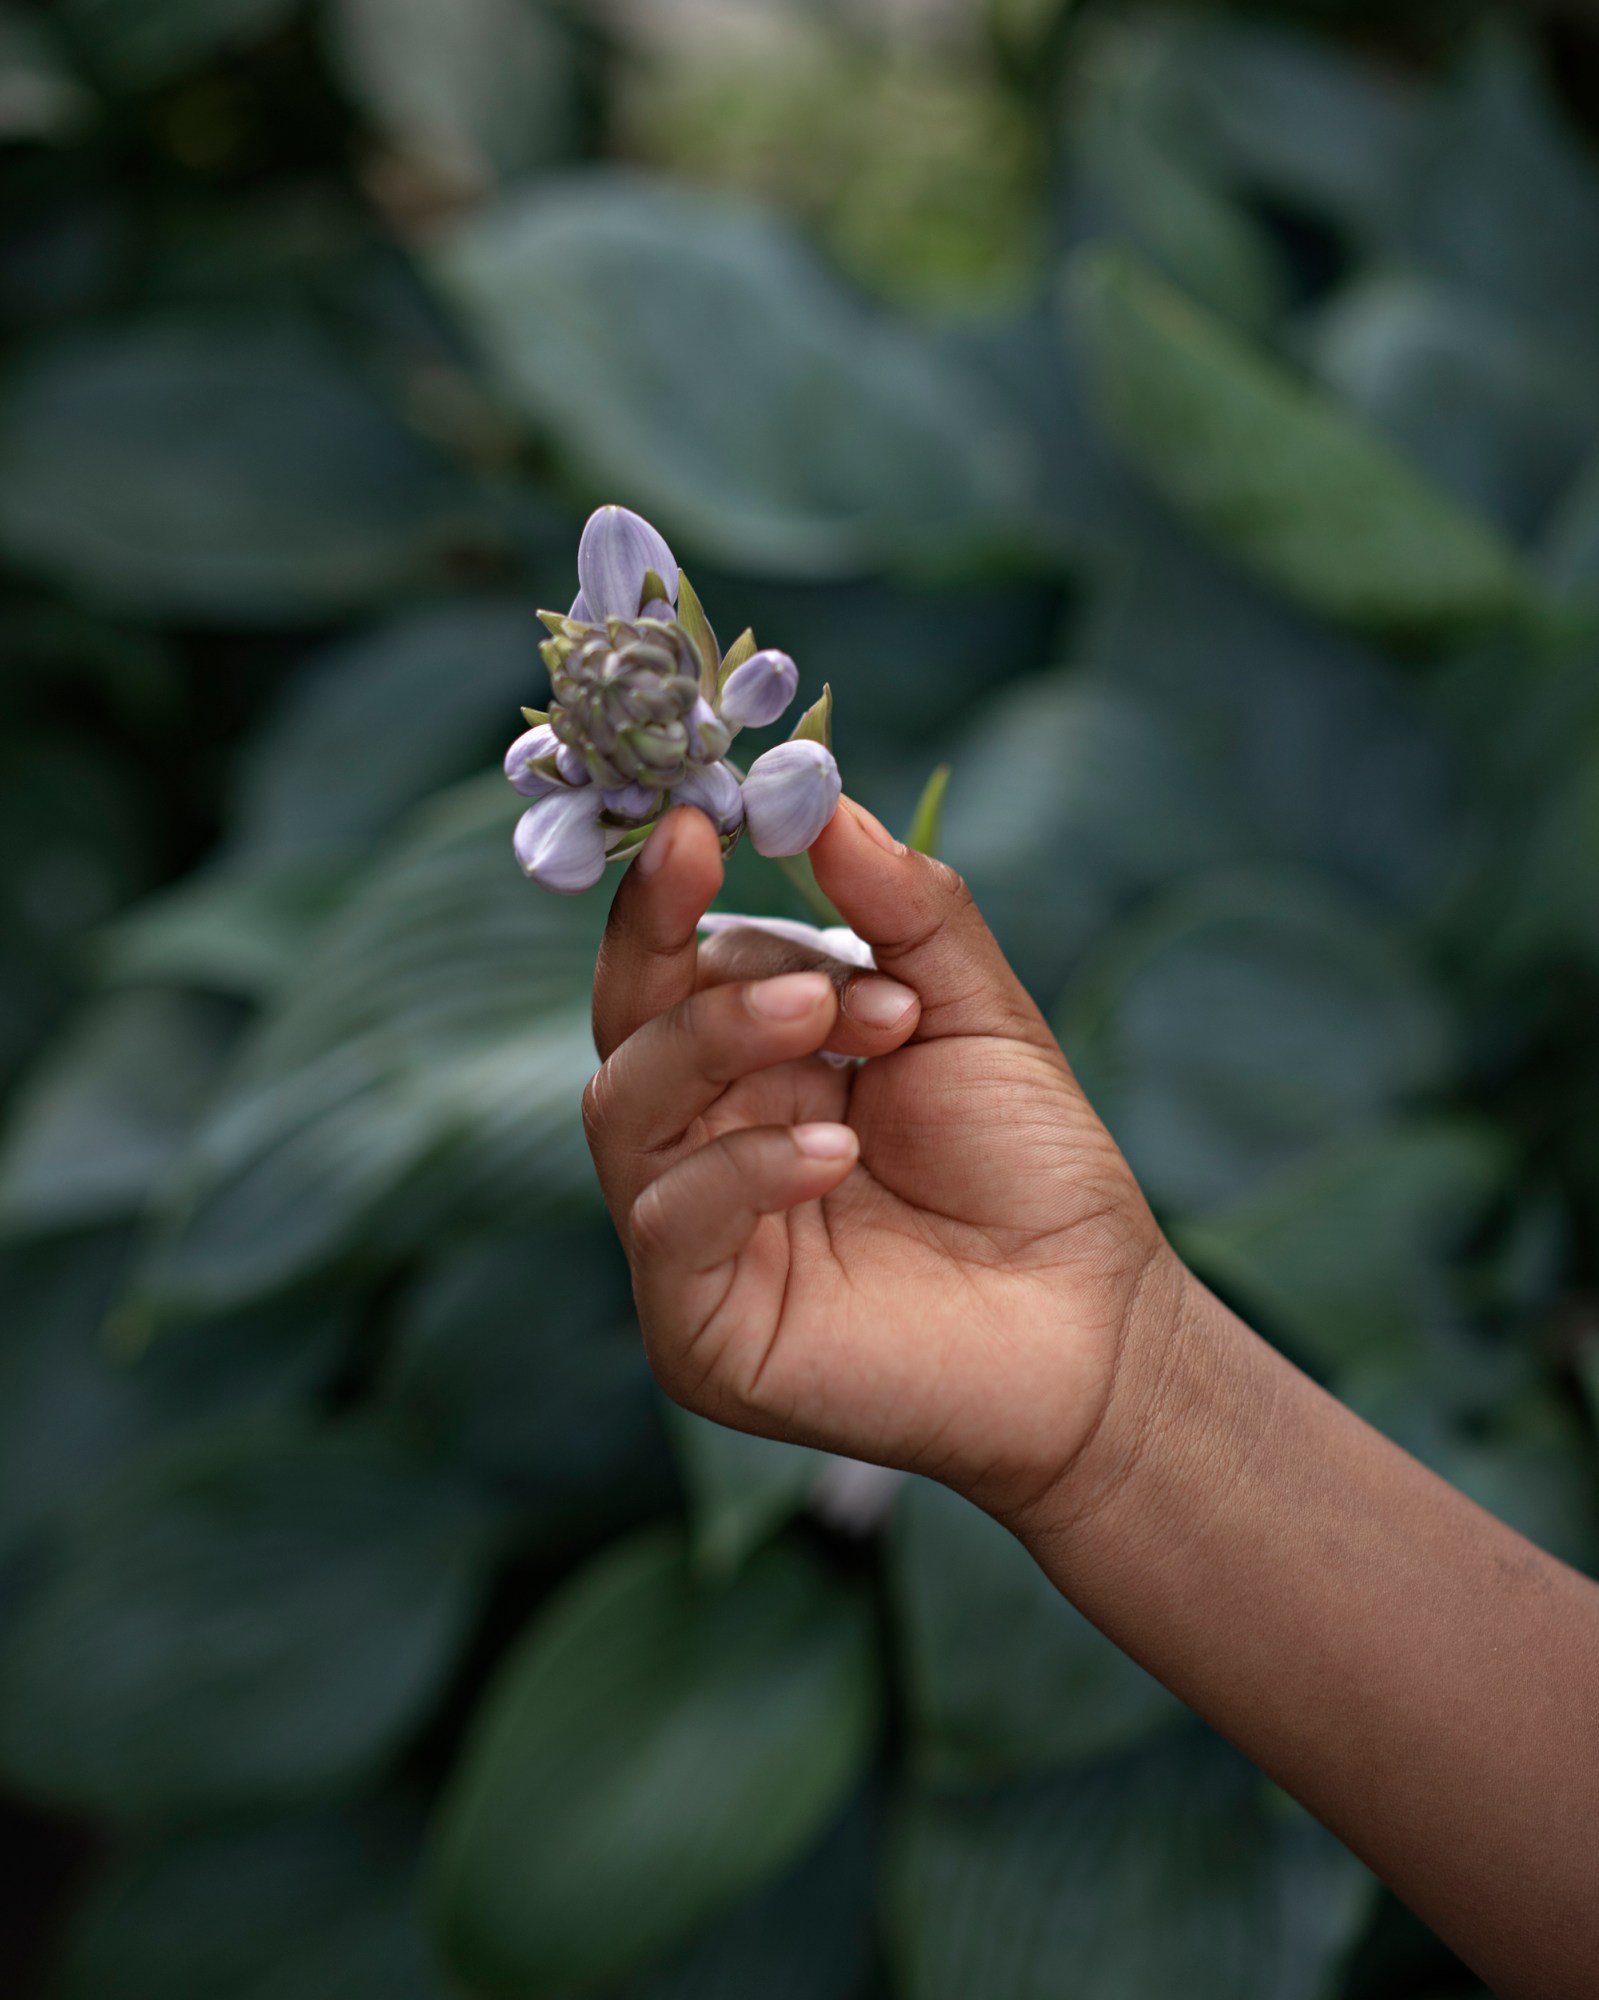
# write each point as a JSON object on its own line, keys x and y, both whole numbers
{"x": 754, "y": 407}
{"x": 102, "y": 1117}
{"x": 212, "y": 470}
{"x": 1347, "y": 1252}
{"x": 743, "y": 648}
{"x": 1161, "y": 1872}
{"x": 40, "y": 98}
{"x": 316, "y": 1907}
{"x": 922, "y": 833}
{"x": 471, "y": 93}
{"x": 146, "y": 46}
{"x": 1244, "y": 1020}
{"x": 651, "y": 1751}
{"x": 435, "y": 1044}
{"x": 741, "y": 1489}
{"x": 519, "y": 1359}
{"x": 241, "y": 1621}
{"x": 1002, "y": 1675}
{"x": 368, "y": 728}
{"x": 816, "y": 724}
{"x": 1276, "y": 475}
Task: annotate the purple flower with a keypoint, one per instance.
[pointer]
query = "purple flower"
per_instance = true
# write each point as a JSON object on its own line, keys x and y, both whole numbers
{"x": 837, "y": 940}
{"x": 789, "y": 796}
{"x": 757, "y": 692}
{"x": 634, "y": 801}
{"x": 560, "y": 843}
{"x": 617, "y": 551}
{"x": 708, "y": 734}
{"x": 714, "y": 789}
{"x": 533, "y": 743}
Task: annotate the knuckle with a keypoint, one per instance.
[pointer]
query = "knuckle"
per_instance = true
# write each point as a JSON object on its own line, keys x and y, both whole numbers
{"x": 597, "y": 1094}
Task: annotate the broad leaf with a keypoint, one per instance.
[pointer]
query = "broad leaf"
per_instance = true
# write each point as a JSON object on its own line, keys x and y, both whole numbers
{"x": 1243, "y": 1020}
{"x": 694, "y": 353}
{"x": 651, "y": 1751}
{"x": 200, "y": 469}
{"x": 319, "y": 1907}
{"x": 1002, "y": 1675}
{"x": 1161, "y": 1872}
{"x": 241, "y": 1621}
{"x": 1277, "y": 476}
{"x": 741, "y": 1489}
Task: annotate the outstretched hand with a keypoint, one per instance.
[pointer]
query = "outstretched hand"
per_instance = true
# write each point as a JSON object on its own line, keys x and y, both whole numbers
{"x": 928, "y": 1259}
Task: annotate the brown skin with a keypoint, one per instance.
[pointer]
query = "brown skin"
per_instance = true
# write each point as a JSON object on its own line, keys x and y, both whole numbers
{"x": 941, "y": 1261}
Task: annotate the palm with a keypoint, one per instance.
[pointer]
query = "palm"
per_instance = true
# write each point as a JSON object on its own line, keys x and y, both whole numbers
{"x": 988, "y": 1212}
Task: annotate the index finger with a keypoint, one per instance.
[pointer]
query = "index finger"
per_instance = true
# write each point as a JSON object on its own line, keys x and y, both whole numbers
{"x": 648, "y": 954}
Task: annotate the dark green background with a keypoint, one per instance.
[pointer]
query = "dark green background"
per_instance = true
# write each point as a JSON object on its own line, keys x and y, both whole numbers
{"x": 1186, "y": 424}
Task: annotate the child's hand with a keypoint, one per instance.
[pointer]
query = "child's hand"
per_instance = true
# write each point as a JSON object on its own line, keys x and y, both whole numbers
{"x": 929, "y": 1260}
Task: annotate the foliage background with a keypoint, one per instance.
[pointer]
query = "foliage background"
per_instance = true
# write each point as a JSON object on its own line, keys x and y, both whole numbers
{"x": 1187, "y": 424}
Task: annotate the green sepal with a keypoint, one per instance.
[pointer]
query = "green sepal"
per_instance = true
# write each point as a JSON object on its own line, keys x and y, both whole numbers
{"x": 743, "y": 648}
{"x": 922, "y": 834}
{"x": 654, "y": 586}
{"x": 802, "y": 878}
{"x": 558, "y": 625}
{"x": 555, "y": 652}
{"x": 816, "y": 724}
{"x": 629, "y": 848}
{"x": 691, "y": 616}
{"x": 535, "y": 716}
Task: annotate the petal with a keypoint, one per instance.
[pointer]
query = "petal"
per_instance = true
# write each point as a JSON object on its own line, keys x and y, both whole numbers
{"x": 580, "y": 609}
{"x": 790, "y": 793}
{"x": 635, "y": 801}
{"x": 838, "y": 941}
{"x": 715, "y": 790}
{"x": 560, "y": 844}
{"x": 617, "y": 550}
{"x": 536, "y": 742}
{"x": 757, "y": 692}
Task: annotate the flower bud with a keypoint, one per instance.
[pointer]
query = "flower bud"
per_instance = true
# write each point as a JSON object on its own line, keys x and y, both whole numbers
{"x": 757, "y": 692}
{"x": 519, "y": 759}
{"x": 789, "y": 796}
{"x": 714, "y": 789}
{"x": 634, "y": 801}
{"x": 560, "y": 843}
{"x": 618, "y": 551}
{"x": 708, "y": 734}
{"x": 570, "y": 764}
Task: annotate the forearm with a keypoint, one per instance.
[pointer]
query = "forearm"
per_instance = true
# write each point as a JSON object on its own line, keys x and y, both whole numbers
{"x": 1420, "y": 1677}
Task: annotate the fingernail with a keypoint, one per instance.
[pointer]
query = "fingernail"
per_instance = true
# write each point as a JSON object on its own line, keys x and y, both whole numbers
{"x": 655, "y": 849}
{"x": 877, "y": 1002}
{"x": 824, "y": 1142}
{"x": 870, "y": 824}
{"x": 790, "y": 997}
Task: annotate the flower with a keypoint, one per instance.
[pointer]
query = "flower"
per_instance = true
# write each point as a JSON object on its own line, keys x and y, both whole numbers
{"x": 560, "y": 842}
{"x": 789, "y": 796}
{"x": 618, "y": 551}
{"x": 837, "y": 940}
{"x": 757, "y": 692}
{"x": 643, "y": 707}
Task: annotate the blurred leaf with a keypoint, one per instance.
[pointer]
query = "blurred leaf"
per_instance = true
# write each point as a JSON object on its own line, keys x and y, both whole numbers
{"x": 1002, "y": 1674}
{"x": 370, "y": 727}
{"x": 474, "y": 90}
{"x": 1242, "y": 1021}
{"x": 1571, "y": 556}
{"x": 651, "y": 1751}
{"x": 1308, "y": 746}
{"x": 73, "y": 1411}
{"x": 1500, "y": 198}
{"x": 1278, "y": 477}
{"x": 692, "y": 354}
{"x": 147, "y": 45}
{"x": 741, "y": 1489}
{"x": 313, "y": 1908}
{"x": 1494, "y": 412}
{"x": 1072, "y": 799}
{"x": 1346, "y": 1252}
{"x": 440, "y": 1030}
{"x": 922, "y": 833}
{"x": 214, "y": 470}
{"x": 1301, "y": 120}
{"x": 806, "y": 1937}
{"x": 1161, "y": 1872}
{"x": 40, "y": 98}
{"x": 521, "y": 1360}
{"x": 244, "y": 1620}
{"x": 104, "y": 1114}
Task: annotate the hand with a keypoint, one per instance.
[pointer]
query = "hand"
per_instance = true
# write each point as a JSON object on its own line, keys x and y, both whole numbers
{"x": 928, "y": 1260}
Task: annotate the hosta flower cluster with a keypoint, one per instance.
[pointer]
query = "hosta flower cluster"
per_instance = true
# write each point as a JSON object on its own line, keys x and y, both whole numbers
{"x": 644, "y": 707}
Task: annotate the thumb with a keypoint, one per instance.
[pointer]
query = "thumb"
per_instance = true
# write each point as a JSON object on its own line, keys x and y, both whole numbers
{"x": 919, "y": 918}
